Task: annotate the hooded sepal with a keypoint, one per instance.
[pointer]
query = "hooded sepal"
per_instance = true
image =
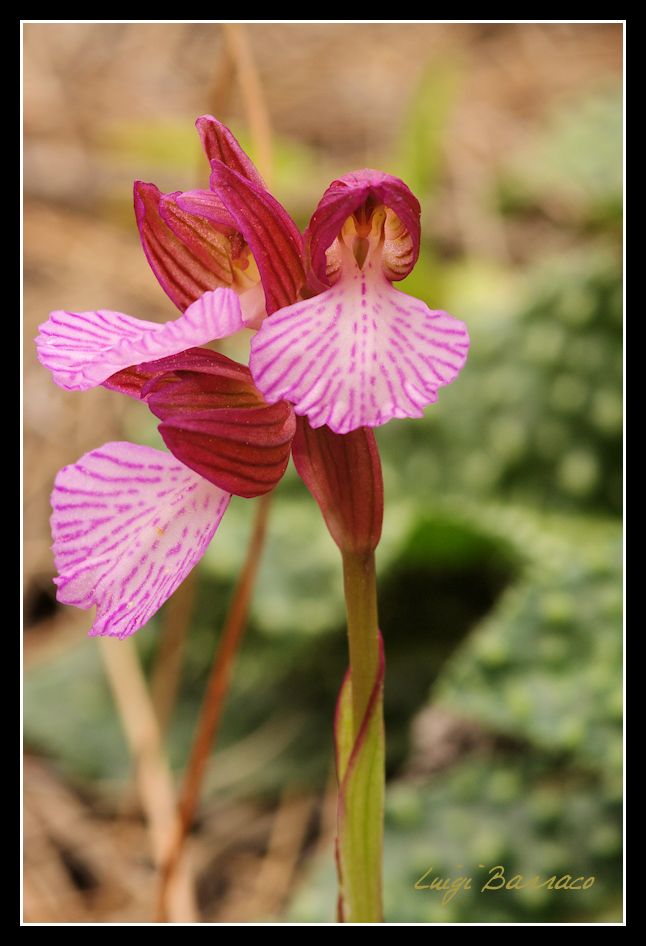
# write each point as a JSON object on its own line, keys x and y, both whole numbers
{"x": 360, "y": 192}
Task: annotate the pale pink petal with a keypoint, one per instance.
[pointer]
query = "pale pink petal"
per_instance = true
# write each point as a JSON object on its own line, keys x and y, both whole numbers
{"x": 357, "y": 355}
{"x": 82, "y": 349}
{"x": 129, "y": 523}
{"x": 253, "y": 305}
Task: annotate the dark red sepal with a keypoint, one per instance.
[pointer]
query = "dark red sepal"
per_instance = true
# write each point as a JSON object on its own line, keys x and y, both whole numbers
{"x": 343, "y": 474}
{"x": 272, "y": 235}
{"x": 135, "y": 380}
{"x": 217, "y": 423}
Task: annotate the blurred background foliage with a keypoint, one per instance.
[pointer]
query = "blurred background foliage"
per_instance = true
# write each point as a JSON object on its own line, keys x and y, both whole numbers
{"x": 500, "y": 566}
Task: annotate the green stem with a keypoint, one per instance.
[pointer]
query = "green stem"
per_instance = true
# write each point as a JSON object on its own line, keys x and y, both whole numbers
{"x": 360, "y": 583}
{"x": 360, "y": 752}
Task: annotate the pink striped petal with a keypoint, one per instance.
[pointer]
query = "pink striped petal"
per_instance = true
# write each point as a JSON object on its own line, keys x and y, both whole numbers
{"x": 82, "y": 349}
{"x": 220, "y": 145}
{"x": 129, "y": 523}
{"x": 208, "y": 244}
{"x": 357, "y": 355}
{"x": 188, "y": 255}
{"x": 204, "y": 204}
{"x": 271, "y": 234}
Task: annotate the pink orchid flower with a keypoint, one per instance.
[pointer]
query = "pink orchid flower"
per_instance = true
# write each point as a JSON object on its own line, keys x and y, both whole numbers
{"x": 130, "y": 522}
{"x": 359, "y": 352}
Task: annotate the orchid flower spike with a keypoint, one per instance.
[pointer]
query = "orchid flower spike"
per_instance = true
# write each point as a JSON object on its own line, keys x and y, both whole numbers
{"x": 129, "y": 522}
{"x": 359, "y": 352}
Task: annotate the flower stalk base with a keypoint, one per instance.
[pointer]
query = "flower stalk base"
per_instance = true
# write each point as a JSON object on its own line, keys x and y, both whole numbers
{"x": 360, "y": 751}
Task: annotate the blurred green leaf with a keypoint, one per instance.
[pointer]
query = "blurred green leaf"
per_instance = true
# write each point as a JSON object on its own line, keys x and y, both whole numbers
{"x": 575, "y": 165}
{"x": 423, "y": 133}
{"x": 546, "y": 665}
